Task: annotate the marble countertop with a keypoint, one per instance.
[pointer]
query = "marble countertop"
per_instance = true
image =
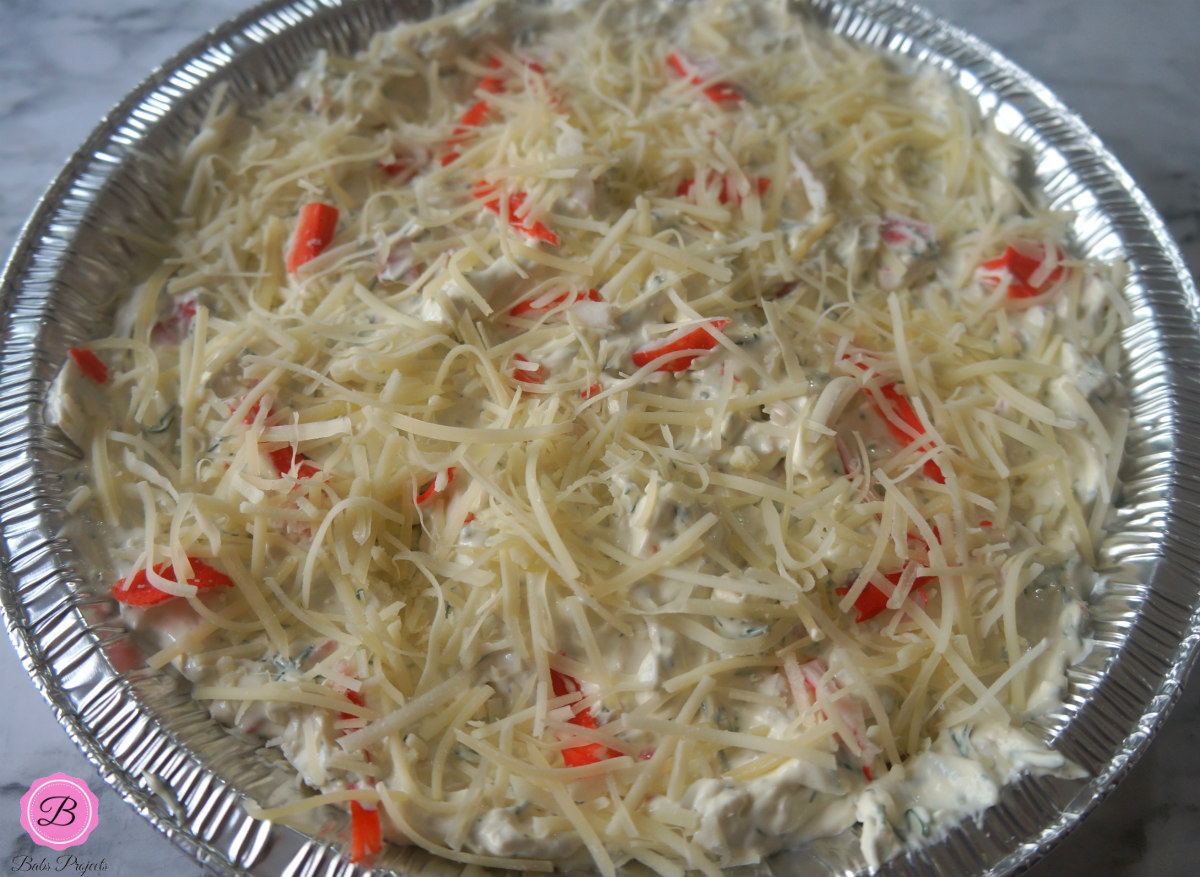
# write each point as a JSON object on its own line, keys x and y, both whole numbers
{"x": 1130, "y": 69}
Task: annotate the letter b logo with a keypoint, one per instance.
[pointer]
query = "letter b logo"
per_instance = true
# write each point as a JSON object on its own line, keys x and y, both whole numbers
{"x": 59, "y": 811}
{"x": 62, "y": 808}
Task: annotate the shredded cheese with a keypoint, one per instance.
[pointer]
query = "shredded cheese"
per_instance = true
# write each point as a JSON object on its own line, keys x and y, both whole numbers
{"x": 644, "y": 424}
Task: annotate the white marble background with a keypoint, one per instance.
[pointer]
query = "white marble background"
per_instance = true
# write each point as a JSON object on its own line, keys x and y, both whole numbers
{"x": 1131, "y": 69}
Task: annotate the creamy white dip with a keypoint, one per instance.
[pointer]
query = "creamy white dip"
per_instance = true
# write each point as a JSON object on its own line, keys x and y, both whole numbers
{"x": 594, "y": 437}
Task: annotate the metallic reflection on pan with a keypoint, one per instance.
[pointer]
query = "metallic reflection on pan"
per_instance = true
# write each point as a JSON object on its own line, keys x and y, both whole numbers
{"x": 188, "y": 775}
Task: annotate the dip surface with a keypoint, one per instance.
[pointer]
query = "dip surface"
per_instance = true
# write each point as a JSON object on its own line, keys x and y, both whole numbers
{"x": 609, "y": 433}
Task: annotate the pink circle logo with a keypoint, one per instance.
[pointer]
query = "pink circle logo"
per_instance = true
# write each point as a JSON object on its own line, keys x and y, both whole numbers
{"x": 59, "y": 811}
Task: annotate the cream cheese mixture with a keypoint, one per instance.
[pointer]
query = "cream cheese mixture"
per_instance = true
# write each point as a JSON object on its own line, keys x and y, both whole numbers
{"x": 613, "y": 432}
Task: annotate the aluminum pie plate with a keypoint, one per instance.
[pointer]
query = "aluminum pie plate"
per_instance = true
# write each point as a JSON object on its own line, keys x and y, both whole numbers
{"x": 190, "y": 776}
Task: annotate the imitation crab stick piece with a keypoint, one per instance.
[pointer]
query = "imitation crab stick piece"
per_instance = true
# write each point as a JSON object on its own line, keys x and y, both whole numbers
{"x": 173, "y": 326}
{"x": 854, "y": 468}
{"x": 545, "y": 303}
{"x": 496, "y": 84}
{"x": 872, "y": 600}
{"x": 588, "y": 753}
{"x": 399, "y": 169}
{"x": 283, "y": 459}
{"x": 717, "y": 92}
{"x": 436, "y": 487}
{"x": 90, "y": 364}
{"x": 682, "y": 348}
{"x": 138, "y": 591}
{"x": 492, "y": 84}
{"x": 534, "y": 229}
{"x": 478, "y": 112}
{"x": 314, "y": 231}
{"x": 366, "y": 834}
{"x": 806, "y": 680}
{"x": 527, "y": 371}
{"x": 907, "y": 233}
{"x": 475, "y": 116}
{"x": 253, "y": 411}
{"x": 1027, "y": 268}
{"x": 902, "y": 421}
{"x": 355, "y": 698}
{"x": 728, "y": 191}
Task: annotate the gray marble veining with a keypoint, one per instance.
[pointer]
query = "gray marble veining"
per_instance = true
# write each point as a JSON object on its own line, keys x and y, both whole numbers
{"x": 1130, "y": 69}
